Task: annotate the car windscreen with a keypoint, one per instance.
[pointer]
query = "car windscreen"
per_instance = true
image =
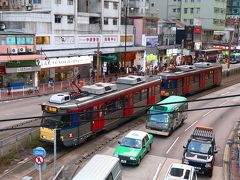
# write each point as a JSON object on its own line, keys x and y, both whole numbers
{"x": 199, "y": 147}
{"x": 130, "y": 142}
{"x": 157, "y": 117}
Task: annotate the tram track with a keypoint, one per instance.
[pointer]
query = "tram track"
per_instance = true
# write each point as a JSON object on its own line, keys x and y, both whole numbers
{"x": 95, "y": 144}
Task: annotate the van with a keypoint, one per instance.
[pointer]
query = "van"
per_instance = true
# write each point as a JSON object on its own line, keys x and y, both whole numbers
{"x": 181, "y": 171}
{"x": 101, "y": 167}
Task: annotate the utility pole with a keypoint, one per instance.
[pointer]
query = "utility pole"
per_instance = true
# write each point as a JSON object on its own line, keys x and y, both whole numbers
{"x": 98, "y": 59}
{"x": 126, "y": 21}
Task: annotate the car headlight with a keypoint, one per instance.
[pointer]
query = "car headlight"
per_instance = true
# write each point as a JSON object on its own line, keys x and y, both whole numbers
{"x": 133, "y": 158}
{"x": 115, "y": 155}
{"x": 208, "y": 165}
{"x": 185, "y": 161}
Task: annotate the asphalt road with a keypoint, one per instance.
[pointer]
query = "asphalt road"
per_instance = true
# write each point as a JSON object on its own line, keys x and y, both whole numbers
{"x": 166, "y": 150}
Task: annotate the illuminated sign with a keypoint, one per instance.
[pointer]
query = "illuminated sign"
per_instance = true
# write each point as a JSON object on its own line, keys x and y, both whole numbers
{"x": 50, "y": 109}
{"x": 197, "y": 30}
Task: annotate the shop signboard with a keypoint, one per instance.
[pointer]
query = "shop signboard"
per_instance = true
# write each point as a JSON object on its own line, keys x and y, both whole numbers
{"x": 23, "y": 69}
{"x": 152, "y": 41}
{"x": 61, "y": 62}
{"x": 25, "y": 63}
{"x": 151, "y": 57}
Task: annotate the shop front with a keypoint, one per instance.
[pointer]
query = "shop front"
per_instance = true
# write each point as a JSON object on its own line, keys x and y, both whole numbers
{"x": 110, "y": 63}
{"x": 21, "y": 74}
{"x": 64, "y": 69}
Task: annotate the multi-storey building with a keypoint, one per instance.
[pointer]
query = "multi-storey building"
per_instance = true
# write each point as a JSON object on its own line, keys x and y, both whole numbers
{"x": 233, "y": 20}
{"x": 68, "y": 31}
{"x": 166, "y": 9}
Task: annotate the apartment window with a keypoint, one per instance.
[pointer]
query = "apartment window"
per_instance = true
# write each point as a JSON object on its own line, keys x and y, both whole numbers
{"x": 42, "y": 39}
{"x": 174, "y": 10}
{"x": 178, "y": 10}
{"x": 69, "y": 19}
{"x": 115, "y": 5}
{"x": 58, "y": 18}
{"x": 185, "y": 10}
{"x": 106, "y": 21}
{"x": 191, "y": 10}
{"x": 192, "y": 1}
{"x": 198, "y": 10}
{"x": 191, "y": 21}
{"x": 152, "y": 4}
{"x": 115, "y": 21}
{"x": 36, "y": 1}
{"x": 185, "y": 20}
{"x": 70, "y": 2}
{"x": 57, "y": 1}
{"x": 106, "y": 5}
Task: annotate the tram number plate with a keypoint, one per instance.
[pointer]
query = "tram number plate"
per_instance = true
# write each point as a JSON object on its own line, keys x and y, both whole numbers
{"x": 123, "y": 161}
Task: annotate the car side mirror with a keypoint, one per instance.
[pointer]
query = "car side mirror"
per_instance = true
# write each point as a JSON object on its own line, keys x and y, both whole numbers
{"x": 119, "y": 142}
{"x": 184, "y": 147}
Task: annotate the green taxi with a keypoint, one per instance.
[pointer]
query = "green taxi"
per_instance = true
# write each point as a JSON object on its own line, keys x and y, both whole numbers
{"x": 133, "y": 147}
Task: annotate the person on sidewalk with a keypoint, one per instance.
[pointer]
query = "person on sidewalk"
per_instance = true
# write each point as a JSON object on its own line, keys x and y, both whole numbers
{"x": 9, "y": 88}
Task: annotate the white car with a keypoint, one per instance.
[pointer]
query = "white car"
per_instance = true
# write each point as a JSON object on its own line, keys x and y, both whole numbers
{"x": 181, "y": 171}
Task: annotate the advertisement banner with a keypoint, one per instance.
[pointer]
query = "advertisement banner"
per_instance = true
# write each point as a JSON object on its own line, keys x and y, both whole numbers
{"x": 152, "y": 41}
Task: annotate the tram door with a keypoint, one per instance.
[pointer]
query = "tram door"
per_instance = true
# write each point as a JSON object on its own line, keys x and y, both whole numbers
{"x": 202, "y": 80}
{"x": 128, "y": 105}
{"x": 98, "y": 116}
{"x": 186, "y": 85}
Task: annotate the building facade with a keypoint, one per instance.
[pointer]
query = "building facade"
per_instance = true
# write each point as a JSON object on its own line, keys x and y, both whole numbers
{"x": 68, "y": 31}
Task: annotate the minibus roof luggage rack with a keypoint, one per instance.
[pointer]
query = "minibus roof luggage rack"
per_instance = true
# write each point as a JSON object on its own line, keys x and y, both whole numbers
{"x": 203, "y": 133}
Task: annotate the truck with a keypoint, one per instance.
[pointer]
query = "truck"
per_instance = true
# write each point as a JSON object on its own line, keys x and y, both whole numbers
{"x": 200, "y": 150}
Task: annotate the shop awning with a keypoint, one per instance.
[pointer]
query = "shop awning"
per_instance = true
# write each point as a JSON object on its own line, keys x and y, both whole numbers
{"x": 109, "y": 58}
{"x": 6, "y": 58}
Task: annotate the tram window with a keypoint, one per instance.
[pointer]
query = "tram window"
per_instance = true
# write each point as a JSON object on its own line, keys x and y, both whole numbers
{"x": 108, "y": 107}
{"x": 137, "y": 97}
{"x": 95, "y": 112}
{"x": 157, "y": 90}
{"x": 89, "y": 114}
{"x": 66, "y": 121}
{"x": 131, "y": 98}
{"x": 114, "y": 105}
{"x": 207, "y": 76}
{"x": 170, "y": 84}
{"x": 126, "y": 101}
{"x": 196, "y": 78}
{"x": 82, "y": 117}
{"x": 144, "y": 94}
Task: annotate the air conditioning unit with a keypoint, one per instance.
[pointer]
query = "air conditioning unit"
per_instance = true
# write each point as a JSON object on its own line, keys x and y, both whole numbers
{"x": 21, "y": 49}
{"x": 13, "y": 50}
{"x": 30, "y": 50}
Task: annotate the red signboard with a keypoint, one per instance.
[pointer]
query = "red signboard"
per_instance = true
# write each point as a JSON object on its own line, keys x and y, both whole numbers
{"x": 2, "y": 70}
{"x": 197, "y": 30}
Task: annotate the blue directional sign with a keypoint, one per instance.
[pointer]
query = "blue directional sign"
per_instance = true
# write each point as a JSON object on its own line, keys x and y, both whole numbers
{"x": 39, "y": 151}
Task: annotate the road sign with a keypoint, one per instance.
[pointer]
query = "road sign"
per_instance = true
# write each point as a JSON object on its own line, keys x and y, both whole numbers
{"x": 39, "y": 160}
{"x": 40, "y": 167}
{"x": 39, "y": 151}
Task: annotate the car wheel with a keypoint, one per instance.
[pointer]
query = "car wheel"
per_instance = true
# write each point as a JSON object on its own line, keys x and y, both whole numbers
{"x": 209, "y": 173}
{"x": 139, "y": 161}
{"x": 150, "y": 146}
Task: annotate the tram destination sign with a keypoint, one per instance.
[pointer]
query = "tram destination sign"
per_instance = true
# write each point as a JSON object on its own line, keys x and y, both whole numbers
{"x": 49, "y": 108}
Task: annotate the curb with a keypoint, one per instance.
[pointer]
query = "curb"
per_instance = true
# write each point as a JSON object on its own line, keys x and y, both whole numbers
{"x": 227, "y": 153}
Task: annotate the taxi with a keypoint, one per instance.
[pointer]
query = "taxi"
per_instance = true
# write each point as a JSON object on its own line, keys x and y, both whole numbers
{"x": 133, "y": 147}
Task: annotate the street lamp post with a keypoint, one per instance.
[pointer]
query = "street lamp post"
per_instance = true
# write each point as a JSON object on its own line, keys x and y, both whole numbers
{"x": 126, "y": 21}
